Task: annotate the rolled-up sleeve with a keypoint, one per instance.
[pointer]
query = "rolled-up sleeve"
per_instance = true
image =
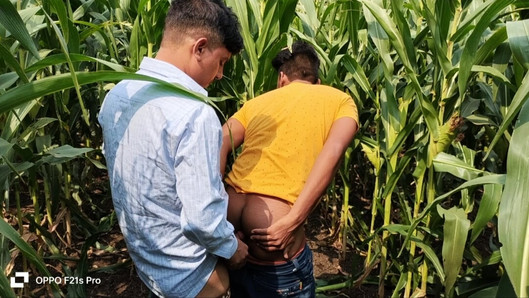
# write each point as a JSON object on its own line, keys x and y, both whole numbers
{"x": 199, "y": 185}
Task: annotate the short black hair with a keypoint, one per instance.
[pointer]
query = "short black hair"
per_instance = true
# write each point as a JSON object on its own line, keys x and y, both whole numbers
{"x": 210, "y": 17}
{"x": 302, "y": 63}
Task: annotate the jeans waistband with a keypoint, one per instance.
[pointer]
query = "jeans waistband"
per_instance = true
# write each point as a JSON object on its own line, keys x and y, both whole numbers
{"x": 295, "y": 264}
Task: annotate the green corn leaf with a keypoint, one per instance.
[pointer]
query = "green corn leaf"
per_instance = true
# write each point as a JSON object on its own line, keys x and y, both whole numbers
{"x": 398, "y": 171}
{"x": 25, "y": 248}
{"x": 518, "y": 33}
{"x": 81, "y": 10}
{"x": 432, "y": 256}
{"x": 400, "y": 284}
{"x": 311, "y": 17}
{"x": 455, "y": 232}
{"x": 29, "y": 133}
{"x": 489, "y": 179}
{"x": 13, "y": 63}
{"x": 444, "y": 162}
{"x": 493, "y": 72}
{"x": 5, "y": 286}
{"x": 9, "y": 168}
{"x": 380, "y": 37}
{"x": 61, "y": 58}
{"x": 288, "y": 12}
{"x": 428, "y": 251}
{"x": 62, "y": 13}
{"x": 5, "y": 146}
{"x": 505, "y": 287}
{"x": 35, "y": 89}
{"x": 472, "y": 44}
{"x": 374, "y": 158}
{"x": 8, "y": 79}
{"x": 12, "y": 21}
{"x": 240, "y": 8}
{"x": 358, "y": 74}
{"x": 405, "y": 132}
{"x": 137, "y": 47}
{"x": 272, "y": 19}
{"x": 493, "y": 42}
{"x": 404, "y": 30}
{"x": 15, "y": 117}
{"x": 439, "y": 42}
{"x": 65, "y": 23}
{"x": 488, "y": 207}
{"x": 472, "y": 12}
{"x": 513, "y": 217}
{"x": 520, "y": 97}
{"x": 63, "y": 154}
{"x": 390, "y": 29}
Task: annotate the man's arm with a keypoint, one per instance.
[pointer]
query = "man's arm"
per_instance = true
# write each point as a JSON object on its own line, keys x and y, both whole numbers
{"x": 278, "y": 236}
{"x": 200, "y": 189}
{"x": 232, "y": 131}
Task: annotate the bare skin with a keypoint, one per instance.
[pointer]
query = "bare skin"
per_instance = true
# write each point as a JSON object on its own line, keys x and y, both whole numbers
{"x": 219, "y": 281}
{"x": 252, "y": 211}
{"x": 217, "y": 284}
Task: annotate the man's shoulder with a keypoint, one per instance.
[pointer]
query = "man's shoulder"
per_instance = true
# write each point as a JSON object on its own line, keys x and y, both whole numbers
{"x": 171, "y": 104}
{"x": 330, "y": 90}
{"x": 153, "y": 93}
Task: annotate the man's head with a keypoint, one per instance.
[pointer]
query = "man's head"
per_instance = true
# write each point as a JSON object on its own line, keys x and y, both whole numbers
{"x": 300, "y": 64}
{"x": 199, "y": 37}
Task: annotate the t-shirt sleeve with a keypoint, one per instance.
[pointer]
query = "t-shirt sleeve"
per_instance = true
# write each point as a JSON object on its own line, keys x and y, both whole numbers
{"x": 347, "y": 108}
{"x": 242, "y": 115}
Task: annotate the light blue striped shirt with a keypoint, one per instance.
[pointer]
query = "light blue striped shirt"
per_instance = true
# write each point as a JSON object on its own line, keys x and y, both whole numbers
{"x": 162, "y": 153}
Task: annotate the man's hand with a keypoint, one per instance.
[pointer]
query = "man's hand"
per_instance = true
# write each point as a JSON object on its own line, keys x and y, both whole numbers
{"x": 279, "y": 236}
{"x": 238, "y": 260}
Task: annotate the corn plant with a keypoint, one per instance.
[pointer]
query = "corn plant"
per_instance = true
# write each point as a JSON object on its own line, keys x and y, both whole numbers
{"x": 448, "y": 85}
{"x": 441, "y": 88}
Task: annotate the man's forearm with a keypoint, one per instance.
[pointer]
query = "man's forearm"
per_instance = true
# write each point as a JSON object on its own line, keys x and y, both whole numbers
{"x": 319, "y": 178}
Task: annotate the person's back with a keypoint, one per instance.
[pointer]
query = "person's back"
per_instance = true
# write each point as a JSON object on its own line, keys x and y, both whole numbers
{"x": 285, "y": 133}
{"x": 285, "y": 130}
{"x": 160, "y": 148}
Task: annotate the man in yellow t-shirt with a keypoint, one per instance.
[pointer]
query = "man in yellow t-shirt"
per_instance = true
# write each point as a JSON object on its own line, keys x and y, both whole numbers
{"x": 293, "y": 138}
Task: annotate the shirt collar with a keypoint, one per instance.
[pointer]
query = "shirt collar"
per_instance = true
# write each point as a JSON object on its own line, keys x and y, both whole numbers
{"x": 169, "y": 73}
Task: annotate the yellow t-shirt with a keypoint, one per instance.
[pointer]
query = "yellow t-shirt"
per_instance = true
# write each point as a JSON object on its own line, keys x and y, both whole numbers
{"x": 285, "y": 130}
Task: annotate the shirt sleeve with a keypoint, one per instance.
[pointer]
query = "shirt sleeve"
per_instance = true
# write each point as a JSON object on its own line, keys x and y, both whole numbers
{"x": 347, "y": 108}
{"x": 242, "y": 116}
{"x": 200, "y": 188}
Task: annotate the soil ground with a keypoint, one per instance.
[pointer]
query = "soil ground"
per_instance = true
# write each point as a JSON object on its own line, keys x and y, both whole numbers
{"x": 109, "y": 262}
{"x": 329, "y": 267}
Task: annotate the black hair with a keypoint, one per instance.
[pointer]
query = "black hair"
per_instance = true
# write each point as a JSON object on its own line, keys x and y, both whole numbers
{"x": 302, "y": 63}
{"x": 210, "y": 17}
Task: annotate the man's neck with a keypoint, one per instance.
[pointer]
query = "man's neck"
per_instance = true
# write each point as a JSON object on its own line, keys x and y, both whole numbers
{"x": 175, "y": 56}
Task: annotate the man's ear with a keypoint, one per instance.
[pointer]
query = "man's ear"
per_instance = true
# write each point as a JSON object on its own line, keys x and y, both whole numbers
{"x": 282, "y": 80}
{"x": 199, "y": 46}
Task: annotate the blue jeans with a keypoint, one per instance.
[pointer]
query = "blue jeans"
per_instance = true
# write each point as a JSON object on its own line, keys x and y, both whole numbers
{"x": 294, "y": 278}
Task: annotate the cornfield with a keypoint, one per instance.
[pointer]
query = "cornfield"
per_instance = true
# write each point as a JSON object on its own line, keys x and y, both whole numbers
{"x": 441, "y": 88}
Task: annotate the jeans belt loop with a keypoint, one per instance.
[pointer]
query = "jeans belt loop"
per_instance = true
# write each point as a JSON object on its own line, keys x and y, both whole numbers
{"x": 296, "y": 265}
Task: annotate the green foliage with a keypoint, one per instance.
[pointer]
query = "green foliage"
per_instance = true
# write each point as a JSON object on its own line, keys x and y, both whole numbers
{"x": 513, "y": 219}
{"x": 439, "y": 86}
